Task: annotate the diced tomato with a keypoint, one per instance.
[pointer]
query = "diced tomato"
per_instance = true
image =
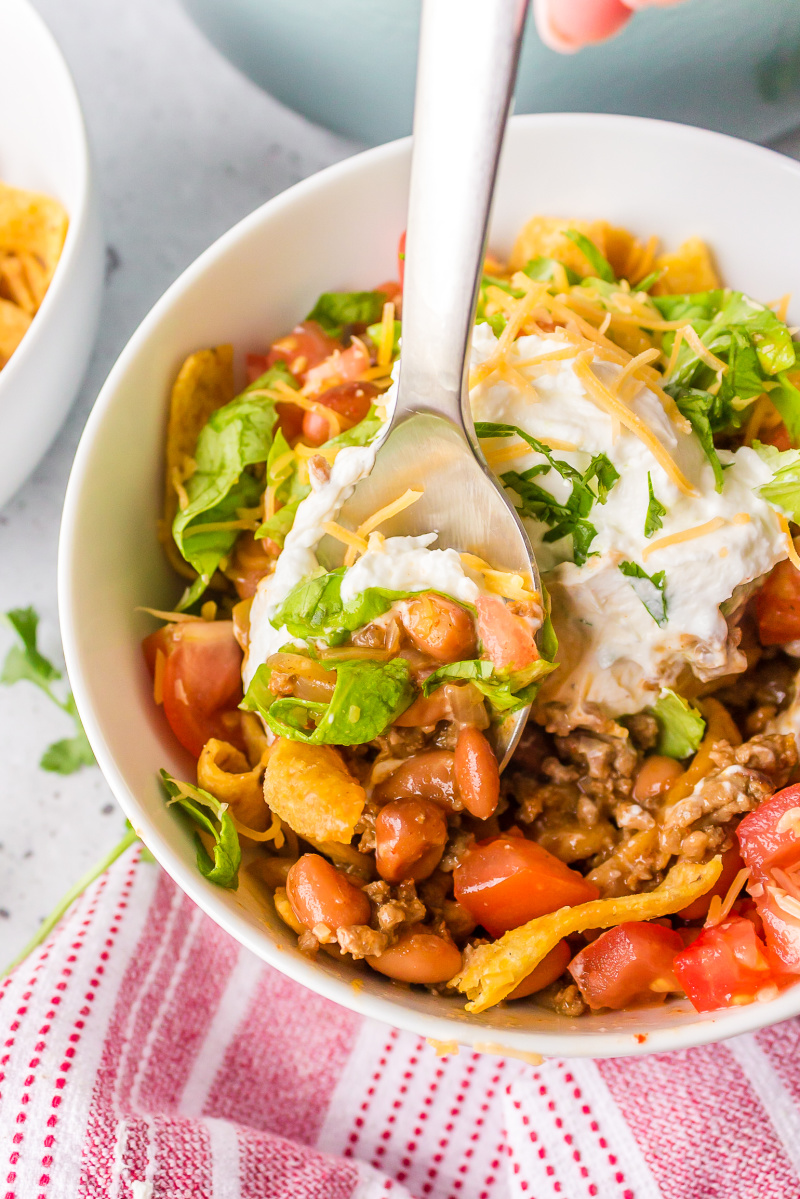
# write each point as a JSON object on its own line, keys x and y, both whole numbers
{"x": 777, "y": 436}
{"x": 508, "y": 640}
{"x": 726, "y": 965}
{"x": 506, "y": 881}
{"x": 731, "y": 865}
{"x": 202, "y": 680}
{"x": 769, "y": 839}
{"x": 343, "y": 366}
{"x": 401, "y": 257}
{"x": 551, "y": 967}
{"x": 255, "y": 366}
{"x": 778, "y": 606}
{"x": 627, "y": 966}
{"x": 304, "y": 348}
{"x": 350, "y": 400}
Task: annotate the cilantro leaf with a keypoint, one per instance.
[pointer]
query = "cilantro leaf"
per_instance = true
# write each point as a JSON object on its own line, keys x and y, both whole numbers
{"x": 24, "y": 663}
{"x": 367, "y": 698}
{"x": 655, "y": 511}
{"x": 224, "y": 868}
{"x": 650, "y": 590}
{"x": 680, "y": 726}
{"x": 336, "y": 309}
{"x": 599, "y": 264}
{"x": 564, "y": 518}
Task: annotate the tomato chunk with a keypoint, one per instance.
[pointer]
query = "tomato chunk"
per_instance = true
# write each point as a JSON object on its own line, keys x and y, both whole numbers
{"x": 726, "y": 965}
{"x": 201, "y": 682}
{"x": 304, "y": 348}
{"x": 507, "y": 881}
{"x": 350, "y": 400}
{"x": 778, "y": 606}
{"x": 551, "y": 967}
{"x": 290, "y": 416}
{"x": 627, "y": 966}
{"x": 769, "y": 839}
{"x": 508, "y": 639}
{"x": 731, "y": 865}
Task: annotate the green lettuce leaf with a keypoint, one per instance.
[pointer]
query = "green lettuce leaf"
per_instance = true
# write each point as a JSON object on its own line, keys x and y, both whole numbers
{"x": 367, "y": 699}
{"x": 375, "y": 333}
{"x": 334, "y": 310}
{"x": 649, "y": 588}
{"x": 786, "y": 398}
{"x": 505, "y": 692}
{"x": 599, "y": 264}
{"x": 224, "y": 868}
{"x": 784, "y": 490}
{"x": 697, "y": 406}
{"x": 545, "y": 269}
{"x": 680, "y": 727}
{"x": 237, "y": 436}
{"x": 24, "y": 663}
{"x": 655, "y": 511}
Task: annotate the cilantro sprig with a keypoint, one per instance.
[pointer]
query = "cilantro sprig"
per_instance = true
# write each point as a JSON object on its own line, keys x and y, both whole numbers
{"x": 25, "y": 663}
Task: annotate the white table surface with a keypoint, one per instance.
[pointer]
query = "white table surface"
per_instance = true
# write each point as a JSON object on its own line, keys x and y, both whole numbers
{"x": 184, "y": 147}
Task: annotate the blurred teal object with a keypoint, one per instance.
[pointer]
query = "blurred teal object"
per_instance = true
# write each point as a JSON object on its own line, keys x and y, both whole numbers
{"x": 731, "y": 65}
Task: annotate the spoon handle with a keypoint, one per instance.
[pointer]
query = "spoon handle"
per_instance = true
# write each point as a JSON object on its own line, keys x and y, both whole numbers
{"x": 468, "y": 55}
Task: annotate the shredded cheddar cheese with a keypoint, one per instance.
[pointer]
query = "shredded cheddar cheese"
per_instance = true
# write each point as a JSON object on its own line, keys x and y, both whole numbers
{"x": 387, "y": 335}
{"x": 619, "y": 411}
{"x": 346, "y": 536}
{"x": 505, "y": 583}
{"x": 364, "y": 530}
{"x": 790, "y": 546}
{"x": 662, "y": 543}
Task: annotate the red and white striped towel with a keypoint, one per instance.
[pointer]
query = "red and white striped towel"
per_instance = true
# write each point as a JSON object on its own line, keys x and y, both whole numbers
{"x": 144, "y": 1055}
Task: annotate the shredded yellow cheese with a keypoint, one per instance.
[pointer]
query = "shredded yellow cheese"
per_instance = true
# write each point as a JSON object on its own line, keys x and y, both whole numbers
{"x": 662, "y": 543}
{"x": 387, "y": 335}
{"x": 630, "y": 368}
{"x": 273, "y": 833}
{"x": 346, "y": 536}
{"x": 619, "y": 411}
{"x": 692, "y": 339}
{"x": 790, "y": 546}
{"x": 719, "y": 909}
{"x": 507, "y": 453}
{"x": 505, "y": 583}
{"x": 363, "y": 531}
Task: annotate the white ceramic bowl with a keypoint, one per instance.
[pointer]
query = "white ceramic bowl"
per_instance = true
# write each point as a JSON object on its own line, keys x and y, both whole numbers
{"x": 339, "y": 229}
{"x": 43, "y": 147}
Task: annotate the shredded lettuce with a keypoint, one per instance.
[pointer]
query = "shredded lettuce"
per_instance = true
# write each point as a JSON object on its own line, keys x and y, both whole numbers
{"x": 697, "y": 406}
{"x": 334, "y": 310}
{"x": 649, "y": 588}
{"x": 680, "y": 727}
{"x": 784, "y": 490}
{"x": 546, "y": 269}
{"x": 599, "y": 264}
{"x": 367, "y": 698}
{"x": 506, "y": 692}
{"x": 224, "y": 868}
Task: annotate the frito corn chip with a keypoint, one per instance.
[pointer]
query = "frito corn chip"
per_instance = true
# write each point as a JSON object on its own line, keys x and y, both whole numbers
{"x": 204, "y": 383}
{"x": 493, "y": 971}
{"x": 32, "y": 224}
{"x": 689, "y": 269}
{"x": 14, "y": 324}
{"x": 310, "y": 788}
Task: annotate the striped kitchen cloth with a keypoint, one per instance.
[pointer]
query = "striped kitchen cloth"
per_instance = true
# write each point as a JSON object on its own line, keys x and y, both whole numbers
{"x": 145, "y": 1055}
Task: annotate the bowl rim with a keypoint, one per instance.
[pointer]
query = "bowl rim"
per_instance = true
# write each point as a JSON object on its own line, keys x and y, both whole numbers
{"x": 78, "y": 220}
{"x": 697, "y": 1030}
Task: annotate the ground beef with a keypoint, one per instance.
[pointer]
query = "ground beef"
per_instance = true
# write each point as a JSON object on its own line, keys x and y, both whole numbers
{"x": 606, "y": 765}
{"x": 395, "y": 906}
{"x": 643, "y": 730}
{"x": 361, "y": 941}
{"x": 699, "y": 825}
{"x": 565, "y": 999}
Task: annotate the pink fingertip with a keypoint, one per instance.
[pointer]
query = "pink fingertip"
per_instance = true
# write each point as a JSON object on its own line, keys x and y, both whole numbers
{"x": 566, "y": 25}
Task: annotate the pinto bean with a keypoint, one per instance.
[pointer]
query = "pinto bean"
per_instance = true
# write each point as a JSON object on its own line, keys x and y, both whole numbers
{"x": 477, "y": 773}
{"x": 428, "y": 775}
{"x": 410, "y": 838}
{"x": 419, "y": 956}
{"x": 656, "y": 775}
{"x": 439, "y": 627}
{"x": 321, "y": 894}
{"x": 551, "y": 967}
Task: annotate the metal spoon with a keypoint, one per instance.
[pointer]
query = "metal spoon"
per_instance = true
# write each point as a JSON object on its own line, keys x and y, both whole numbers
{"x": 465, "y": 80}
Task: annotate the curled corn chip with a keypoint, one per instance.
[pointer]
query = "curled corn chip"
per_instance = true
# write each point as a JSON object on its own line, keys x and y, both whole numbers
{"x": 690, "y": 268}
{"x": 14, "y": 322}
{"x": 204, "y": 384}
{"x": 493, "y": 971}
{"x": 310, "y": 788}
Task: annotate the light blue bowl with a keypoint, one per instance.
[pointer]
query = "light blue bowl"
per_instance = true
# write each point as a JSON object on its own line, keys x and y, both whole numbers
{"x": 731, "y": 65}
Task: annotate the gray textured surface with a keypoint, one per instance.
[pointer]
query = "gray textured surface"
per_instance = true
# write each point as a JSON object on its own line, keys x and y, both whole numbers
{"x": 184, "y": 147}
